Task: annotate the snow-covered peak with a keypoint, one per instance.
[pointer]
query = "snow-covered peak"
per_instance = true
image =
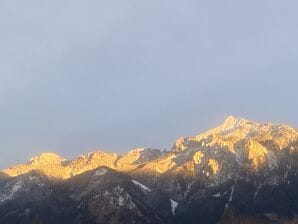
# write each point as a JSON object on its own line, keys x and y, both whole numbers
{"x": 236, "y": 141}
{"x": 233, "y": 125}
{"x": 233, "y": 130}
{"x": 232, "y": 122}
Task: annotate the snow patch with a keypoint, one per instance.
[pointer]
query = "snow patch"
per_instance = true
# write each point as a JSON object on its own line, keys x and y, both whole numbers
{"x": 141, "y": 185}
{"x": 257, "y": 191}
{"x": 230, "y": 198}
{"x": 174, "y": 205}
{"x": 216, "y": 195}
{"x": 121, "y": 201}
{"x": 100, "y": 172}
{"x": 15, "y": 188}
{"x": 231, "y": 195}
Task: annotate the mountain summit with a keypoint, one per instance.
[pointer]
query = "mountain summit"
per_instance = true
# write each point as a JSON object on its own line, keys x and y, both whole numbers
{"x": 45, "y": 159}
{"x": 241, "y": 170}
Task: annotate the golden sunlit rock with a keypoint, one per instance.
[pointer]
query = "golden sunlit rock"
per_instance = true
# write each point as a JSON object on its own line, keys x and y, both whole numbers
{"x": 213, "y": 164}
{"x": 179, "y": 144}
{"x": 197, "y": 157}
{"x": 161, "y": 165}
{"x": 256, "y": 153}
{"x": 92, "y": 161}
{"x": 45, "y": 159}
{"x": 128, "y": 161}
{"x": 52, "y": 165}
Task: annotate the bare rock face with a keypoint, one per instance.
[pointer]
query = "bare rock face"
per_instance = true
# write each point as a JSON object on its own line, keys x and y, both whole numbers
{"x": 91, "y": 161}
{"x": 136, "y": 157}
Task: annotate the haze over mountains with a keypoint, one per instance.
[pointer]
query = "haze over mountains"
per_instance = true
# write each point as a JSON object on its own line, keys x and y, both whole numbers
{"x": 238, "y": 172}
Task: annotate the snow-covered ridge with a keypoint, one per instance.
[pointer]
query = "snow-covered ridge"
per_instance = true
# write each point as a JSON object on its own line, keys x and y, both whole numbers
{"x": 23, "y": 183}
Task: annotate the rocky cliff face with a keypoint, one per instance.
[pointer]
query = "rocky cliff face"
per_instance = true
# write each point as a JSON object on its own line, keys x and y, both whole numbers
{"x": 236, "y": 172}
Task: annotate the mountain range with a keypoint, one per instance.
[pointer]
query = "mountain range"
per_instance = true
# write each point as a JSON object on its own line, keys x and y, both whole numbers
{"x": 238, "y": 172}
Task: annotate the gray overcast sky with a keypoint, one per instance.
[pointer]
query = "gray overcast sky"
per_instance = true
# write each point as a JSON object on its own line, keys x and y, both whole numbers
{"x": 76, "y": 76}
